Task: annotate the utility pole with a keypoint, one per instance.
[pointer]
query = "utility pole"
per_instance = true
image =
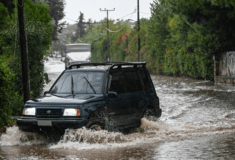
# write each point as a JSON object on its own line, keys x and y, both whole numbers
{"x": 24, "y": 52}
{"x": 138, "y": 21}
{"x": 108, "y": 57}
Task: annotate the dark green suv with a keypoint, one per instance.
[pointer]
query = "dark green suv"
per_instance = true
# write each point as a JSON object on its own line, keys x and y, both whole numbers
{"x": 95, "y": 95}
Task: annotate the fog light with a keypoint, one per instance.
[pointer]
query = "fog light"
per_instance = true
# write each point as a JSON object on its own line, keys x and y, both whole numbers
{"x": 71, "y": 112}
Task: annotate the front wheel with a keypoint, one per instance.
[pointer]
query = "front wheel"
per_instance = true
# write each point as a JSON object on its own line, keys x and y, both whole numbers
{"x": 96, "y": 127}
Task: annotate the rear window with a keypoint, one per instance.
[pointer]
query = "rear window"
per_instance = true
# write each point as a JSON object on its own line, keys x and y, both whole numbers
{"x": 132, "y": 80}
{"x": 147, "y": 85}
{"x": 117, "y": 83}
{"x": 125, "y": 82}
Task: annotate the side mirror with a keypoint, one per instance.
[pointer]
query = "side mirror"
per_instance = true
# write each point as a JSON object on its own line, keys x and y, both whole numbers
{"x": 46, "y": 93}
{"x": 112, "y": 94}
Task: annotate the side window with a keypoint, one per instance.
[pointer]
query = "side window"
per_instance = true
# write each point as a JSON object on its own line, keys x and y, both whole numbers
{"x": 147, "y": 85}
{"x": 117, "y": 83}
{"x": 133, "y": 83}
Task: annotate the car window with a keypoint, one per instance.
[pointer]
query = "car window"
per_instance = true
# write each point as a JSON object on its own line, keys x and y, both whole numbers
{"x": 147, "y": 85}
{"x": 133, "y": 83}
{"x": 80, "y": 81}
{"x": 117, "y": 83}
{"x": 63, "y": 85}
{"x": 82, "y": 86}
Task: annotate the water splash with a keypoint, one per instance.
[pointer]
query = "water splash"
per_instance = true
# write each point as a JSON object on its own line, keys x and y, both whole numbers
{"x": 14, "y": 136}
{"x": 83, "y": 135}
{"x": 87, "y": 139}
{"x": 148, "y": 132}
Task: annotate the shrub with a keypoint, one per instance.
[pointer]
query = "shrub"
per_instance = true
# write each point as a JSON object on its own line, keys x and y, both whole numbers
{"x": 8, "y": 95}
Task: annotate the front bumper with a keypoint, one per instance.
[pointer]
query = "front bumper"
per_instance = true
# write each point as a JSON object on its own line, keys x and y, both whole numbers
{"x": 38, "y": 124}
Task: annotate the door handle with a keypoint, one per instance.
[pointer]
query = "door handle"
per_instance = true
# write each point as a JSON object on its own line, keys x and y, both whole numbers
{"x": 112, "y": 113}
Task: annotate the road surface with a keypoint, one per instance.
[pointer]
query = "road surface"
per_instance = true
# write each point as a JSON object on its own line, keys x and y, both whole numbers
{"x": 198, "y": 122}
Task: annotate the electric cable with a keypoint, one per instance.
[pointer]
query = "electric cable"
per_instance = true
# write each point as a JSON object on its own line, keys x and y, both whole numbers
{"x": 70, "y": 19}
{"x": 128, "y": 14}
{"x": 144, "y": 12}
{"x": 112, "y": 2}
{"x": 122, "y": 26}
{"x": 121, "y": 4}
{"x": 126, "y": 7}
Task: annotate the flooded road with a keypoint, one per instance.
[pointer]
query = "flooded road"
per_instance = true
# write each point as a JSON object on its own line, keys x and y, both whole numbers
{"x": 197, "y": 122}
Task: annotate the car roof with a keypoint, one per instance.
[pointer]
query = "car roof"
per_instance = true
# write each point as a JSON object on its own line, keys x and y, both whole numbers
{"x": 86, "y": 69}
{"x": 105, "y": 66}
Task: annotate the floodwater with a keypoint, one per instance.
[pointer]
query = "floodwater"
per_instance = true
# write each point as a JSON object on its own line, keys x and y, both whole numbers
{"x": 198, "y": 122}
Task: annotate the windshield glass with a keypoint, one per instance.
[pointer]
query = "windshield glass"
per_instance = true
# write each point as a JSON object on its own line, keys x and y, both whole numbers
{"x": 78, "y": 83}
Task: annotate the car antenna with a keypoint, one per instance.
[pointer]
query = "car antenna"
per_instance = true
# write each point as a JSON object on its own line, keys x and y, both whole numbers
{"x": 72, "y": 86}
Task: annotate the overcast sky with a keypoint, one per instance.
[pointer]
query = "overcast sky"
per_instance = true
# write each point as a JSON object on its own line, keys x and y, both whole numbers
{"x": 91, "y": 9}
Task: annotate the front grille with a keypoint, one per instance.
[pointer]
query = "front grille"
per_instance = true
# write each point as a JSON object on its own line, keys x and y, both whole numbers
{"x": 49, "y": 112}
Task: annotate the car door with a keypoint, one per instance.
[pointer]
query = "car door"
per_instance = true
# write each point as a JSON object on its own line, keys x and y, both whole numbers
{"x": 148, "y": 85}
{"x": 118, "y": 107}
{"x": 135, "y": 94}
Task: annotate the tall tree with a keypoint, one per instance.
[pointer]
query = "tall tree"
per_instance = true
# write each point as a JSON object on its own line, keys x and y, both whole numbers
{"x": 57, "y": 14}
{"x": 81, "y": 26}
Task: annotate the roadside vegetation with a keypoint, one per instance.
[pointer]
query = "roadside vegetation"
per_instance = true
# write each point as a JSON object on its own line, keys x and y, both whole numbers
{"x": 39, "y": 29}
{"x": 180, "y": 38}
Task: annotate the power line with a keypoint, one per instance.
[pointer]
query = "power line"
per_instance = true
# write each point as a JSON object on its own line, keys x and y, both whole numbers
{"x": 122, "y": 26}
{"x": 70, "y": 19}
{"x": 126, "y": 6}
{"x": 145, "y": 13}
{"x": 123, "y": 4}
{"x": 127, "y": 14}
{"x": 112, "y": 2}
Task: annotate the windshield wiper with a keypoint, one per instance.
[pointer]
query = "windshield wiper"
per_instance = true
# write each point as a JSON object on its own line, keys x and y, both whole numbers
{"x": 72, "y": 85}
{"x": 90, "y": 85}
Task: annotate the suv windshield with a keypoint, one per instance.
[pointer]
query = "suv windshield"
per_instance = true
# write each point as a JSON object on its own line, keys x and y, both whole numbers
{"x": 78, "y": 83}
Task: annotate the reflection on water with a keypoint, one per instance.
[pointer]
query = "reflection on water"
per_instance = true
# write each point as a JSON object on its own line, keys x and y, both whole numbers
{"x": 198, "y": 122}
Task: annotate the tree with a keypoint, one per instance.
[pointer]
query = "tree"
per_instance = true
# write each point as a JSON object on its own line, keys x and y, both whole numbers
{"x": 80, "y": 26}
{"x": 57, "y": 14}
{"x": 39, "y": 29}
{"x": 9, "y": 5}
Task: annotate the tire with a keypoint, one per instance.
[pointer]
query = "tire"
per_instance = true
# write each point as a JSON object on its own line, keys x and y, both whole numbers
{"x": 96, "y": 127}
{"x": 150, "y": 114}
{"x": 102, "y": 120}
{"x": 96, "y": 119}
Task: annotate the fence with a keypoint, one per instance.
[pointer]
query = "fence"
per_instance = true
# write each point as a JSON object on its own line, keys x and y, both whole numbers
{"x": 224, "y": 68}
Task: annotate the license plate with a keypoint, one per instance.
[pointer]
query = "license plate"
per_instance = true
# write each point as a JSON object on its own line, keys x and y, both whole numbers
{"x": 44, "y": 123}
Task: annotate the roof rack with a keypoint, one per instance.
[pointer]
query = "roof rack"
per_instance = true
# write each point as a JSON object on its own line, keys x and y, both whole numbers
{"x": 87, "y": 64}
{"x": 119, "y": 65}
{"x": 111, "y": 64}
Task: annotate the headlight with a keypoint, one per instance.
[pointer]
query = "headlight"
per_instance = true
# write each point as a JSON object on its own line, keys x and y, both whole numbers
{"x": 71, "y": 112}
{"x": 29, "y": 111}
